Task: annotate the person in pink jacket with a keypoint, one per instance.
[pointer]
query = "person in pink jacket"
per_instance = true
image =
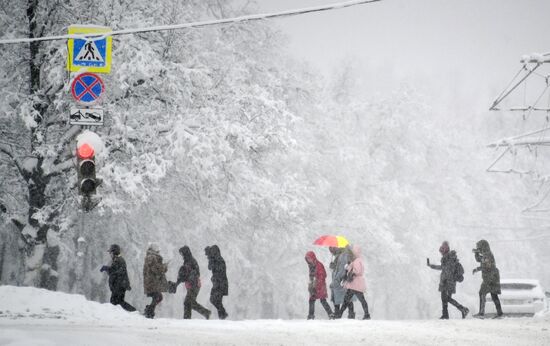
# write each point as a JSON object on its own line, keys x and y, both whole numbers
{"x": 355, "y": 283}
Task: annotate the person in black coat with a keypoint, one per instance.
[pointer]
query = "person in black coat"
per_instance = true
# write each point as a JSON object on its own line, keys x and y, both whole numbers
{"x": 447, "y": 280}
{"x": 189, "y": 274}
{"x": 490, "y": 276}
{"x": 220, "y": 288}
{"x": 118, "y": 278}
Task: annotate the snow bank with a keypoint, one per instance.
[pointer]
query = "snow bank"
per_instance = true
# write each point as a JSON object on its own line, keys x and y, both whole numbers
{"x": 35, "y": 303}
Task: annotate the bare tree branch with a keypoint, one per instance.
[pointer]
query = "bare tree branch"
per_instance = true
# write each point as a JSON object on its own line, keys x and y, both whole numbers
{"x": 60, "y": 168}
{"x": 7, "y": 150}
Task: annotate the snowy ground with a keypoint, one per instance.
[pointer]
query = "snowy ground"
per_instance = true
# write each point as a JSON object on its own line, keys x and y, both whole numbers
{"x": 29, "y": 316}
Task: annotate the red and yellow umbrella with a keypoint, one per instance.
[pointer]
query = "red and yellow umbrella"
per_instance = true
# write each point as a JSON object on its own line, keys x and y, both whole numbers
{"x": 331, "y": 240}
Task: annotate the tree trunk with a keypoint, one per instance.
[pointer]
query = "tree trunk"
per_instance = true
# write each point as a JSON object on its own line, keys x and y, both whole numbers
{"x": 41, "y": 263}
{"x": 34, "y": 47}
{"x": 41, "y": 259}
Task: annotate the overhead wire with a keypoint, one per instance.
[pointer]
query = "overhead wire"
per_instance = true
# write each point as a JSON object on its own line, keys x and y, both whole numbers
{"x": 499, "y": 97}
{"x": 506, "y": 92}
{"x": 246, "y": 18}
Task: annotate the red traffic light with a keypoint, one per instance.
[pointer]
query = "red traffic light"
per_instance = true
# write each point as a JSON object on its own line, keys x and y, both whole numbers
{"x": 85, "y": 151}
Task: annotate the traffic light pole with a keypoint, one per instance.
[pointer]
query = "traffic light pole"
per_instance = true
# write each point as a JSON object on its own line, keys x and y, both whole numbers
{"x": 89, "y": 203}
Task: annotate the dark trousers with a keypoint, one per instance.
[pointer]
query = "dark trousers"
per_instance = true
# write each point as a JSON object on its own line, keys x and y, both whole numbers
{"x": 216, "y": 300}
{"x": 190, "y": 303}
{"x": 156, "y": 298}
{"x": 496, "y": 300}
{"x": 347, "y": 300}
{"x": 327, "y": 308}
{"x": 446, "y": 299}
{"x": 117, "y": 298}
{"x": 351, "y": 312}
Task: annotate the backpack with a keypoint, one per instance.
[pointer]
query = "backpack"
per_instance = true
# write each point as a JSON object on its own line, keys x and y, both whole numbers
{"x": 459, "y": 272}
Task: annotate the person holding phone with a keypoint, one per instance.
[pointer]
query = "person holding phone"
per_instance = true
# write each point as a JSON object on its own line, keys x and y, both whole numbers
{"x": 451, "y": 272}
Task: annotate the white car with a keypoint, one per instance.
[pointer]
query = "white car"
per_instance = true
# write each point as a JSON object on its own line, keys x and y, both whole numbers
{"x": 520, "y": 297}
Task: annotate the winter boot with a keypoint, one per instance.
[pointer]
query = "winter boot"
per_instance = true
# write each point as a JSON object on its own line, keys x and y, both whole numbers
{"x": 351, "y": 311}
{"x": 366, "y": 317}
{"x": 464, "y": 310}
{"x": 310, "y": 317}
{"x": 444, "y": 314}
{"x": 149, "y": 312}
{"x": 497, "y": 305}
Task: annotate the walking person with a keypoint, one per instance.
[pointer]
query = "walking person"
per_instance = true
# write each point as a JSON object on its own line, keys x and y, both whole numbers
{"x": 451, "y": 272}
{"x": 355, "y": 283}
{"x": 490, "y": 276}
{"x": 154, "y": 278}
{"x": 317, "y": 285}
{"x": 189, "y": 274}
{"x": 338, "y": 266}
{"x": 118, "y": 278}
{"x": 220, "y": 288}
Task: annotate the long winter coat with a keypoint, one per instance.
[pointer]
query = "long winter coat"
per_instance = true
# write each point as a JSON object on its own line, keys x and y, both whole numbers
{"x": 118, "y": 275}
{"x": 489, "y": 270}
{"x": 447, "y": 279}
{"x": 189, "y": 272}
{"x": 154, "y": 273}
{"x": 216, "y": 264}
{"x": 356, "y": 267}
{"x": 338, "y": 275}
{"x": 317, "y": 277}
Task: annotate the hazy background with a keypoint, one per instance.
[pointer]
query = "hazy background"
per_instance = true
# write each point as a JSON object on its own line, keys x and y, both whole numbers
{"x": 476, "y": 44}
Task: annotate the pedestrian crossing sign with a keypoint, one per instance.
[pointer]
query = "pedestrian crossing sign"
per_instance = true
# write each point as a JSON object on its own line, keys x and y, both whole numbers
{"x": 92, "y": 54}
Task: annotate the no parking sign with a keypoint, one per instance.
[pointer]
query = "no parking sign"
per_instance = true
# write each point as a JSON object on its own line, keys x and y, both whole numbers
{"x": 87, "y": 88}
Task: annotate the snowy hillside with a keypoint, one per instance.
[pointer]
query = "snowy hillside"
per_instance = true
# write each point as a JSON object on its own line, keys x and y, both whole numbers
{"x": 30, "y": 316}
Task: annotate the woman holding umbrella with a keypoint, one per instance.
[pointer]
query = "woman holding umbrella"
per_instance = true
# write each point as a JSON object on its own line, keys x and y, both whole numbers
{"x": 342, "y": 257}
{"x": 338, "y": 266}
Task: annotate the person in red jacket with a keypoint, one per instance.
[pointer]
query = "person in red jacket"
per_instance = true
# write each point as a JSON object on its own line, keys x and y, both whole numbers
{"x": 317, "y": 285}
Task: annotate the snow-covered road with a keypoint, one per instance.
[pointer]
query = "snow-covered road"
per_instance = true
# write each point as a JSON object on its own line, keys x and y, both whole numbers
{"x": 276, "y": 332}
{"x": 29, "y": 316}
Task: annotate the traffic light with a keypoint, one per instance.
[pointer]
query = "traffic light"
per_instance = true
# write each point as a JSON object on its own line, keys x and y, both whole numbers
{"x": 87, "y": 181}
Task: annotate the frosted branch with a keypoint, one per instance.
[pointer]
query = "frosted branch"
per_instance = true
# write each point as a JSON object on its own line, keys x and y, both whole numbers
{"x": 59, "y": 168}
{"x": 7, "y": 150}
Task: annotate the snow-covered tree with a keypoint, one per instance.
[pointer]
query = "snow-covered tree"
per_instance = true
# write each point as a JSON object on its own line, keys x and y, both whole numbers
{"x": 200, "y": 99}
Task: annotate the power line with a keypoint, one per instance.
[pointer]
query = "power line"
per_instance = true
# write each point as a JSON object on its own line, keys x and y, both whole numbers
{"x": 247, "y": 18}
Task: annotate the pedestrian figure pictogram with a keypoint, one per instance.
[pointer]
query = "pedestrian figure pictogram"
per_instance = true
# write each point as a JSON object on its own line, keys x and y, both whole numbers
{"x": 89, "y": 52}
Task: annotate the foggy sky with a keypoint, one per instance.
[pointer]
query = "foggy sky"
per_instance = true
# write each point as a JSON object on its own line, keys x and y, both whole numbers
{"x": 470, "y": 42}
